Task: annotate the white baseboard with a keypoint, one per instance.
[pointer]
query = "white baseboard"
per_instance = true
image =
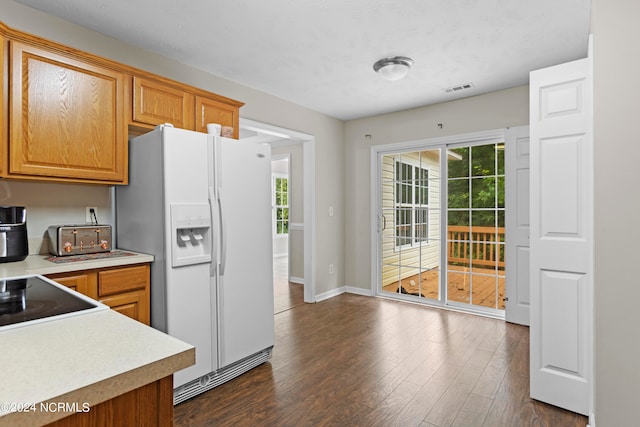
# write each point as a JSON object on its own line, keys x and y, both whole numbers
{"x": 344, "y": 289}
{"x": 359, "y": 291}
{"x": 330, "y": 294}
{"x": 298, "y": 280}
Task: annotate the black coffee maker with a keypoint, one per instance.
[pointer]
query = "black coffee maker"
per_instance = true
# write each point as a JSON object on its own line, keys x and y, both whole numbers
{"x": 14, "y": 245}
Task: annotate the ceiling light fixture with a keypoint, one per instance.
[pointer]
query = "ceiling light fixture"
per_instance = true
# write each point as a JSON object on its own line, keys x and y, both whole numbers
{"x": 393, "y": 68}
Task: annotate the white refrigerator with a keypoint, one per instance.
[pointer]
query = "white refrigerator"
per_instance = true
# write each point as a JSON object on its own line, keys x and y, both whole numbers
{"x": 201, "y": 204}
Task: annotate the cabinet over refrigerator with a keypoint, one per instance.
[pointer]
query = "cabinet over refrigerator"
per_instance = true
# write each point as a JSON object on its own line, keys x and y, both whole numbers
{"x": 201, "y": 205}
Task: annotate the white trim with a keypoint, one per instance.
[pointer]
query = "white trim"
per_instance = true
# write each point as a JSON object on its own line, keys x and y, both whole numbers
{"x": 358, "y": 291}
{"x": 367, "y": 293}
{"x": 484, "y": 137}
{"x": 412, "y": 206}
{"x": 330, "y": 294}
{"x": 309, "y": 214}
{"x": 292, "y": 135}
{"x": 344, "y": 290}
{"x": 283, "y": 156}
{"x": 298, "y": 280}
{"x": 309, "y": 166}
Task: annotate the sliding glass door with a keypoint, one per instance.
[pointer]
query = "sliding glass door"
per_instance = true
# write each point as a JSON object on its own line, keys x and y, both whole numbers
{"x": 441, "y": 225}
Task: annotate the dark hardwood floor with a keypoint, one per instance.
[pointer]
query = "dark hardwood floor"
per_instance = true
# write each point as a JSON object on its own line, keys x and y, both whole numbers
{"x": 285, "y": 294}
{"x": 362, "y": 361}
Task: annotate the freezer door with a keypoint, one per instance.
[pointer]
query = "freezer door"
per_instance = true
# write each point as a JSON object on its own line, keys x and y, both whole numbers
{"x": 245, "y": 293}
{"x": 190, "y": 297}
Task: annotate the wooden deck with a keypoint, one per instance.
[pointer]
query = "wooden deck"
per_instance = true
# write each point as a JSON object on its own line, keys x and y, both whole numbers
{"x": 478, "y": 286}
{"x": 482, "y": 284}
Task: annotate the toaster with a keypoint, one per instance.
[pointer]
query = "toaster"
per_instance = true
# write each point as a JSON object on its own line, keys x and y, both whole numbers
{"x": 79, "y": 239}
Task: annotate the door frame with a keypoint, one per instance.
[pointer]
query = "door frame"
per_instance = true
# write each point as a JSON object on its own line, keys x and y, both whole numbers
{"x": 517, "y": 254}
{"x": 376, "y": 152}
{"x": 284, "y": 136}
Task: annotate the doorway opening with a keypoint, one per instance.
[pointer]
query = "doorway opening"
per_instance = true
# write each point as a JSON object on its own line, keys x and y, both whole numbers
{"x": 292, "y": 214}
{"x": 441, "y": 223}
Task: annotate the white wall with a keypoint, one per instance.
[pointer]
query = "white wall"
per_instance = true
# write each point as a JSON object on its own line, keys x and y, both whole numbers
{"x": 617, "y": 204}
{"x": 485, "y": 112}
{"x": 54, "y": 204}
{"x": 328, "y": 132}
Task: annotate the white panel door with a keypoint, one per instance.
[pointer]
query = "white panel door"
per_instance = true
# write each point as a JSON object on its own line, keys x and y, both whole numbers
{"x": 517, "y": 223}
{"x": 562, "y": 236}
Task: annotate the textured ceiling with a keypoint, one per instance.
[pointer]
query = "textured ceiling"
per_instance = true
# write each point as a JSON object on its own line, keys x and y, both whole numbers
{"x": 319, "y": 54}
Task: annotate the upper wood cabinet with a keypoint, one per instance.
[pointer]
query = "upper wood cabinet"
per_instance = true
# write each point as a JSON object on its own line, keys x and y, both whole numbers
{"x": 67, "y": 114}
{"x": 67, "y": 118}
{"x": 155, "y": 103}
{"x": 213, "y": 111}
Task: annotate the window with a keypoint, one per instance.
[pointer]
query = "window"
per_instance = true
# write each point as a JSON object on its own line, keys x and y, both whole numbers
{"x": 411, "y": 204}
{"x": 280, "y": 205}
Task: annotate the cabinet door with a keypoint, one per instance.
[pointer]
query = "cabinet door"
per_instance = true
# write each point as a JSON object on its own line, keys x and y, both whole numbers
{"x": 131, "y": 304}
{"x": 212, "y": 111}
{"x": 127, "y": 290}
{"x": 67, "y": 118}
{"x": 155, "y": 104}
{"x": 118, "y": 280}
{"x": 85, "y": 283}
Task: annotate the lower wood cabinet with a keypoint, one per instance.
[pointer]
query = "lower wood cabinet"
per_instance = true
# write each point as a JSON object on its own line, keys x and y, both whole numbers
{"x": 150, "y": 405}
{"x": 124, "y": 289}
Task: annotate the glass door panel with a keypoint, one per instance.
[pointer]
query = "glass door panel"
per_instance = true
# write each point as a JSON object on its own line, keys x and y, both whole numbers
{"x": 475, "y": 233}
{"x": 411, "y": 224}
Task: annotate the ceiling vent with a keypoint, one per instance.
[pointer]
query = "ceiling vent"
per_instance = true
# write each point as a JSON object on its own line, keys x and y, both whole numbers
{"x": 458, "y": 88}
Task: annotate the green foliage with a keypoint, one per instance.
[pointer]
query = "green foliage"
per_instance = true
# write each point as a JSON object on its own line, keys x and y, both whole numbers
{"x": 282, "y": 205}
{"x": 476, "y": 183}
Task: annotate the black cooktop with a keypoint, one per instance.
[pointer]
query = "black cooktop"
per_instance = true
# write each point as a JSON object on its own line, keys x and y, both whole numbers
{"x": 31, "y": 298}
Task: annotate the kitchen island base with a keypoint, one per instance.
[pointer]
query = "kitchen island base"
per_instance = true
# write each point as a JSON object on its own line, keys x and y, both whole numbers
{"x": 149, "y": 405}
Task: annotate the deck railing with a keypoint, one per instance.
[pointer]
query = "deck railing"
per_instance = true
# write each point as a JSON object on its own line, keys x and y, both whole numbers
{"x": 478, "y": 246}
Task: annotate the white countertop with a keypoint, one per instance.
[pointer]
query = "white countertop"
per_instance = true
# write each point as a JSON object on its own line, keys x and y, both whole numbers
{"x": 38, "y": 264}
{"x": 83, "y": 359}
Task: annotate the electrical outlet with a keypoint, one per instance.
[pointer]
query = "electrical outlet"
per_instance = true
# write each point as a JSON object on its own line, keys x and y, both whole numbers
{"x": 90, "y": 217}
{"x": 330, "y": 268}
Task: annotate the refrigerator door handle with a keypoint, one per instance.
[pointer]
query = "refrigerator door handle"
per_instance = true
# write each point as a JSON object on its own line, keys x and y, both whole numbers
{"x": 214, "y": 231}
{"x": 223, "y": 235}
